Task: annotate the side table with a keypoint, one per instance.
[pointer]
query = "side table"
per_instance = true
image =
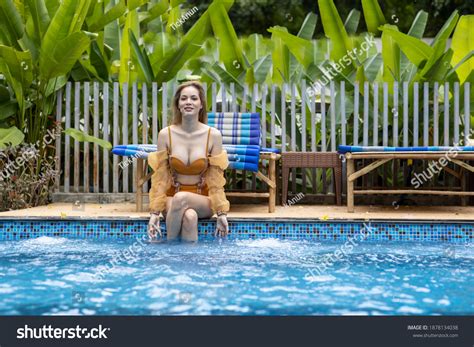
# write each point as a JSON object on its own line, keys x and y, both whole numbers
{"x": 311, "y": 160}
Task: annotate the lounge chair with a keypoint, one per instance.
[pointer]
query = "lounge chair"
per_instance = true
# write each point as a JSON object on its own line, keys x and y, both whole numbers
{"x": 241, "y": 137}
{"x": 457, "y": 155}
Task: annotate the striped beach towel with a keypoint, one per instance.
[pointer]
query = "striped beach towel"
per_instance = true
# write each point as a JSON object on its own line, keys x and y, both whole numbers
{"x": 236, "y": 128}
{"x": 345, "y": 149}
{"x": 240, "y": 157}
{"x": 241, "y": 138}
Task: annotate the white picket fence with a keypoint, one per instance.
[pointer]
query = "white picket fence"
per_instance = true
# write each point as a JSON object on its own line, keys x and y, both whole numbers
{"x": 414, "y": 115}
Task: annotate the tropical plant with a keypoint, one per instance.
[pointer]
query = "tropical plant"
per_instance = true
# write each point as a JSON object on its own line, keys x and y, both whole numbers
{"x": 404, "y": 57}
{"x": 20, "y": 186}
{"x": 37, "y": 53}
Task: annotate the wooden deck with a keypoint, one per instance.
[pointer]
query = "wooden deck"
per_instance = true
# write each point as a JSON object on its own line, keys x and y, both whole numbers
{"x": 319, "y": 212}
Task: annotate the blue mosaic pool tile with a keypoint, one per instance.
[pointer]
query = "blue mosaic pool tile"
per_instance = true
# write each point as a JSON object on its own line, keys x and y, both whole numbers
{"x": 247, "y": 229}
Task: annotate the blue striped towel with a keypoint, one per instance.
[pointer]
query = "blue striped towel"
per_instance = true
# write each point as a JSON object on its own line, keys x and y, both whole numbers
{"x": 230, "y": 124}
{"x": 240, "y": 157}
{"x": 345, "y": 149}
{"x": 241, "y": 138}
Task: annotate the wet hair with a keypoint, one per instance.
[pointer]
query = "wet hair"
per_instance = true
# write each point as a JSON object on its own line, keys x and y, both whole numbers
{"x": 177, "y": 116}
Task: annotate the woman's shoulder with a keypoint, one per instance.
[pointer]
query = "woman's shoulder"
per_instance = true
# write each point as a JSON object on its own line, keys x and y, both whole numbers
{"x": 215, "y": 135}
{"x": 163, "y": 138}
{"x": 164, "y": 131}
{"x": 215, "y": 140}
{"x": 214, "y": 131}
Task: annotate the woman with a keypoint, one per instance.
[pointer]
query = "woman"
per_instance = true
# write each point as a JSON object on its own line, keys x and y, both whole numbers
{"x": 188, "y": 180}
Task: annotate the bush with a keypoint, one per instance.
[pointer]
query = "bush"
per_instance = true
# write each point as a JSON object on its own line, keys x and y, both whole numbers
{"x": 22, "y": 183}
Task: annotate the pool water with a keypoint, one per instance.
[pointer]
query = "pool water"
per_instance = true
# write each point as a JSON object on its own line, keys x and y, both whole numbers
{"x": 52, "y": 276}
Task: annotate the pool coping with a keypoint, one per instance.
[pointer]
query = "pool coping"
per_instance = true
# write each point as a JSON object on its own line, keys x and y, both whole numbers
{"x": 241, "y": 219}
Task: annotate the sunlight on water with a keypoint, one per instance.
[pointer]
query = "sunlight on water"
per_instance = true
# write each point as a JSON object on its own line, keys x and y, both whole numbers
{"x": 244, "y": 277}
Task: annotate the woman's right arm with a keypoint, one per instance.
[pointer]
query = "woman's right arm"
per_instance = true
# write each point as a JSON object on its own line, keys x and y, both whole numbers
{"x": 162, "y": 139}
{"x": 161, "y": 178}
{"x": 160, "y": 182}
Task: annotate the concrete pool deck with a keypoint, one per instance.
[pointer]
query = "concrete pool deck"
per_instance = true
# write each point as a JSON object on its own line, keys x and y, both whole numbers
{"x": 254, "y": 211}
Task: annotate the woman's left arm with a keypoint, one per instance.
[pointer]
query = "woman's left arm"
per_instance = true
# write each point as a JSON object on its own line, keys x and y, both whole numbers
{"x": 215, "y": 181}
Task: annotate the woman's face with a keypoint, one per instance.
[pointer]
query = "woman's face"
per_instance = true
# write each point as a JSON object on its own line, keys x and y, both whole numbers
{"x": 189, "y": 103}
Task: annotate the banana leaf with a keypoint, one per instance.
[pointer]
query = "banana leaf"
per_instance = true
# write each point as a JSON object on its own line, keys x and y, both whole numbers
{"x": 391, "y": 58}
{"x": 157, "y": 10}
{"x": 439, "y": 42}
{"x": 98, "y": 22}
{"x": 335, "y": 31}
{"x": 352, "y": 22}
{"x": 162, "y": 43}
{"x": 128, "y": 70}
{"x": 230, "y": 50}
{"x": 64, "y": 43}
{"x": 415, "y": 49}
{"x": 462, "y": 44}
{"x": 176, "y": 57}
{"x": 40, "y": 19}
{"x": 12, "y": 25}
{"x": 373, "y": 16}
{"x": 417, "y": 29}
{"x": 255, "y": 47}
{"x": 307, "y": 28}
{"x": 112, "y": 35}
{"x": 11, "y": 136}
{"x": 83, "y": 137}
{"x": 141, "y": 58}
{"x": 261, "y": 68}
{"x": 280, "y": 59}
{"x": 301, "y": 49}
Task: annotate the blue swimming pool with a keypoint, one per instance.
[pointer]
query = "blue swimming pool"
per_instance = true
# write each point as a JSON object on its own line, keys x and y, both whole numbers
{"x": 252, "y": 273}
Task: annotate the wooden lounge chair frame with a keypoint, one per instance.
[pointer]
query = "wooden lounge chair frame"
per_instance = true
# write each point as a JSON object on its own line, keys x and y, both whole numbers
{"x": 384, "y": 157}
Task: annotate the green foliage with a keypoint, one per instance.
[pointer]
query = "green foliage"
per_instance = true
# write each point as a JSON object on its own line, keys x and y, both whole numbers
{"x": 373, "y": 16}
{"x": 10, "y": 137}
{"x": 462, "y": 45}
{"x": 83, "y": 137}
{"x": 20, "y": 185}
{"x": 39, "y": 45}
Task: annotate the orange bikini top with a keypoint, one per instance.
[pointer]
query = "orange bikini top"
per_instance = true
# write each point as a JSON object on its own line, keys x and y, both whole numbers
{"x": 197, "y": 167}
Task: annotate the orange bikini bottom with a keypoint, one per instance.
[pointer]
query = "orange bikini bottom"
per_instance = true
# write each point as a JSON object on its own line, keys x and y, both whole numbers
{"x": 188, "y": 188}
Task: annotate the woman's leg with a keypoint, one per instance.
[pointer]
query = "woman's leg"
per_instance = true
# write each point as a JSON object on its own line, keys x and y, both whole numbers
{"x": 181, "y": 202}
{"x": 189, "y": 230}
{"x": 169, "y": 202}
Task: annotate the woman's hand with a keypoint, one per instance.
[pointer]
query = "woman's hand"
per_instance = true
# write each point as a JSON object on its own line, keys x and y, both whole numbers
{"x": 154, "y": 227}
{"x": 222, "y": 227}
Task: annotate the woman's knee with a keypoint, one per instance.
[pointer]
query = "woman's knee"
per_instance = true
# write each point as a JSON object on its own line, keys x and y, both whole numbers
{"x": 190, "y": 217}
{"x": 179, "y": 201}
